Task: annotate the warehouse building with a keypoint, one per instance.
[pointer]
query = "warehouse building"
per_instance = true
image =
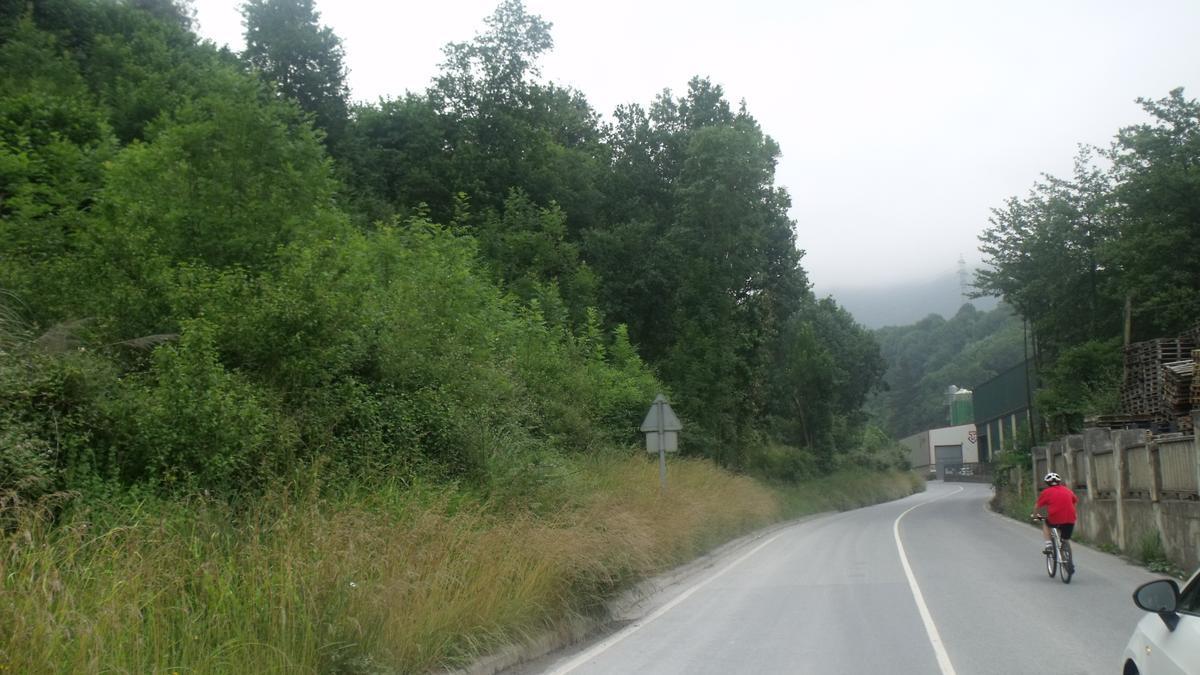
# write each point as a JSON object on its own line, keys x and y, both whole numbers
{"x": 1003, "y": 409}
{"x": 930, "y": 451}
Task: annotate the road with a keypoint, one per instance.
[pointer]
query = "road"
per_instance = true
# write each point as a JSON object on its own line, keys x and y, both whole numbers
{"x": 832, "y": 595}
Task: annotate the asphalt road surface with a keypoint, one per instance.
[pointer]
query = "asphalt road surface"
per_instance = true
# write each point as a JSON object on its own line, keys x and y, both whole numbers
{"x": 933, "y": 583}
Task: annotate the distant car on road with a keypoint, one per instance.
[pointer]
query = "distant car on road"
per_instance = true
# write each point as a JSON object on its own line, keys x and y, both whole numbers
{"x": 1167, "y": 642}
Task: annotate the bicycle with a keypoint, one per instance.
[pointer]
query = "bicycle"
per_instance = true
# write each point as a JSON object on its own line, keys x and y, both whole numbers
{"x": 1058, "y": 558}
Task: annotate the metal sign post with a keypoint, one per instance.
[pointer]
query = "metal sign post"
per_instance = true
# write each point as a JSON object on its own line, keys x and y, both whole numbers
{"x": 662, "y": 429}
{"x": 662, "y": 453}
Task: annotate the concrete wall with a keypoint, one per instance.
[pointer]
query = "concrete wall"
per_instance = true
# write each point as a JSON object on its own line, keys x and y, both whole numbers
{"x": 918, "y": 449}
{"x": 1131, "y": 486}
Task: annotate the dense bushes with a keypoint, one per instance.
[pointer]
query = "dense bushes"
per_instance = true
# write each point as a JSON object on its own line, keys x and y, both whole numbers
{"x": 190, "y": 309}
{"x": 381, "y": 351}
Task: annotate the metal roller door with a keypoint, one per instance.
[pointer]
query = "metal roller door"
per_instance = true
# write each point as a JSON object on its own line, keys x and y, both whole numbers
{"x": 946, "y": 454}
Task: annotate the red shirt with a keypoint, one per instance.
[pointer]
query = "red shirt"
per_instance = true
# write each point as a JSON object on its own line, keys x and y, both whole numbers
{"x": 1060, "y": 504}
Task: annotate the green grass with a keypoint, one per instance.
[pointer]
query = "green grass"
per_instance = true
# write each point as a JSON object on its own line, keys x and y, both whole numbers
{"x": 1151, "y": 553}
{"x": 391, "y": 578}
{"x": 1013, "y": 504}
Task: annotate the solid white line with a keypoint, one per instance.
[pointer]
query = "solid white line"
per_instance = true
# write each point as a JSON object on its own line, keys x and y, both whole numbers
{"x": 943, "y": 658}
{"x": 634, "y": 627}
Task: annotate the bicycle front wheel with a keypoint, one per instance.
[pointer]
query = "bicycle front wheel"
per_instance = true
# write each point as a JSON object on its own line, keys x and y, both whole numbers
{"x": 1051, "y": 565}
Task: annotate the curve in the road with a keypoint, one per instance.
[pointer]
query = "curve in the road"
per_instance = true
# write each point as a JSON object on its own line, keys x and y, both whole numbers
{"x": 859, "y": 592}
{"x": 935, "y": 639}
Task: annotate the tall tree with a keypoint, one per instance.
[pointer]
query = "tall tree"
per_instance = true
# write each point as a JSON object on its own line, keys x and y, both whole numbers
{"x": 1045, "y": 257}
{"x": 487, "y": 125}
{"x": 528, "y": 249}
{"x": 287, "y": 44}
{"x": 1157, "y": 195}
{"x": 508, "y": 129}
{"x": 179, "y": 12}
{"x": 721, "y": 269}
{"x": 825, "y": 367}
{"x": 395, "y": 157}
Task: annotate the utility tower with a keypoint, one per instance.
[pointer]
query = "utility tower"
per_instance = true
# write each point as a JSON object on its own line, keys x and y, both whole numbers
{"x": 962, "y": 279}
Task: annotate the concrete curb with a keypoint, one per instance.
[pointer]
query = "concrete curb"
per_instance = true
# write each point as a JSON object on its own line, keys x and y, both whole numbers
{"x": 632, "y": 604}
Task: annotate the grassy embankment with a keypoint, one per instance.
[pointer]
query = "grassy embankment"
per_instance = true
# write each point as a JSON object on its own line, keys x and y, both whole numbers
{"x": 399, "y": 579}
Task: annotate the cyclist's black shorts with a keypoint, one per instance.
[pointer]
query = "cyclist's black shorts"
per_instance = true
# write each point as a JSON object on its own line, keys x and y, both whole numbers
{"x": 1064, "y": 530}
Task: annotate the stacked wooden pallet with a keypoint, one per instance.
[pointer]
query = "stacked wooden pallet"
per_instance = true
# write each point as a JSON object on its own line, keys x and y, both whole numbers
{"x": 1142, "y": 386}
{"x": 1177, "y": 394}
{"x": 1119, "y": 421}
{"x": 1195, "y": 380}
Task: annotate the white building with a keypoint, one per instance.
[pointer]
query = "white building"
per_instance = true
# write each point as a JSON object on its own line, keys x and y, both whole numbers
{"x": 932, "y": 450}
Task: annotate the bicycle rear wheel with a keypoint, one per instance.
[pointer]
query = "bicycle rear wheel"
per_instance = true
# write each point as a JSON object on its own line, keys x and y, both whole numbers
{"x": 1066, "y": 568}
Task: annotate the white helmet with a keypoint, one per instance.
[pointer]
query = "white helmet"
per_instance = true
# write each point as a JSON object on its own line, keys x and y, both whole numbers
{"x": 1052, "y": 478}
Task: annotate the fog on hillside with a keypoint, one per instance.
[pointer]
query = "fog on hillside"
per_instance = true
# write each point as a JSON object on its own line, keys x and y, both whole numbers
{"x": 903, "y": 303}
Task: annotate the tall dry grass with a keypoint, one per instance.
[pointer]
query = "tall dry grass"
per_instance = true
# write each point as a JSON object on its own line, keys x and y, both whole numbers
{"x": 392, "y": 579}
{"x": 848, "y": 489}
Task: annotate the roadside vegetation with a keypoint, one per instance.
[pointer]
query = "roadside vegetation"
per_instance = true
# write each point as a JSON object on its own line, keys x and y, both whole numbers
{"x": 381, "y": 578}
{"x": 290, "y": 384}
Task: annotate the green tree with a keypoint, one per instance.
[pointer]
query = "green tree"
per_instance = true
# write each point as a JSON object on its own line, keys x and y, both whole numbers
{"x": 719, "y": 274}
{"x": 1071, "y": 253}
{"x": 1083, "y": 381}
{"x": 206, "y": 189}
{"x": 825, "y": 368}
{"x": 1156, "y": 169}
{"x": 179, "y": 12}
{"x": 138, "y": 59}
{"x": 1046, "y": 258}
{"x": 528, "y": 248}
{"x": 54, "y": 144}
{"x": 508, "y": 128}
{"x": 487, "y": 125}
{"x": 394, "y": 160}
{"x": 287, "y": 44}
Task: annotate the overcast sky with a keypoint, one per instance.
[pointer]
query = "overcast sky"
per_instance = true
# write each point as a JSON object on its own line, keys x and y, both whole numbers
{"x": 901, "y": 123}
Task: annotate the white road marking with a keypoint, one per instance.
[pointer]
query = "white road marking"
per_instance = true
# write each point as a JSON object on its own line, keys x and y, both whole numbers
{"x": 943, "y": 658}
{"x": 642, "y": 623}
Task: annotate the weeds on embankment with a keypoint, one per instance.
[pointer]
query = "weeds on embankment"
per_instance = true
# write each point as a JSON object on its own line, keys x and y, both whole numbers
{"x": 387, "y": 579}
{"x": 1013, "y": 504}
{"x": 1148, "y": 551}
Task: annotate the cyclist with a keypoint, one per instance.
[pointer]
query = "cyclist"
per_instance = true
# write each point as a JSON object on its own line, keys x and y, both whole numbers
{"x": 1059, "y": 503}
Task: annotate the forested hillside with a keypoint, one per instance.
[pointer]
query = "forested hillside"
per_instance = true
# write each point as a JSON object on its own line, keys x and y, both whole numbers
{"x": 928, "y": 356}
{"x": 216, "y": 267}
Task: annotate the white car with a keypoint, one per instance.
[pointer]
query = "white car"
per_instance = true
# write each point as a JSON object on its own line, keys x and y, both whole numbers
{"x": 1168, "y": 640}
